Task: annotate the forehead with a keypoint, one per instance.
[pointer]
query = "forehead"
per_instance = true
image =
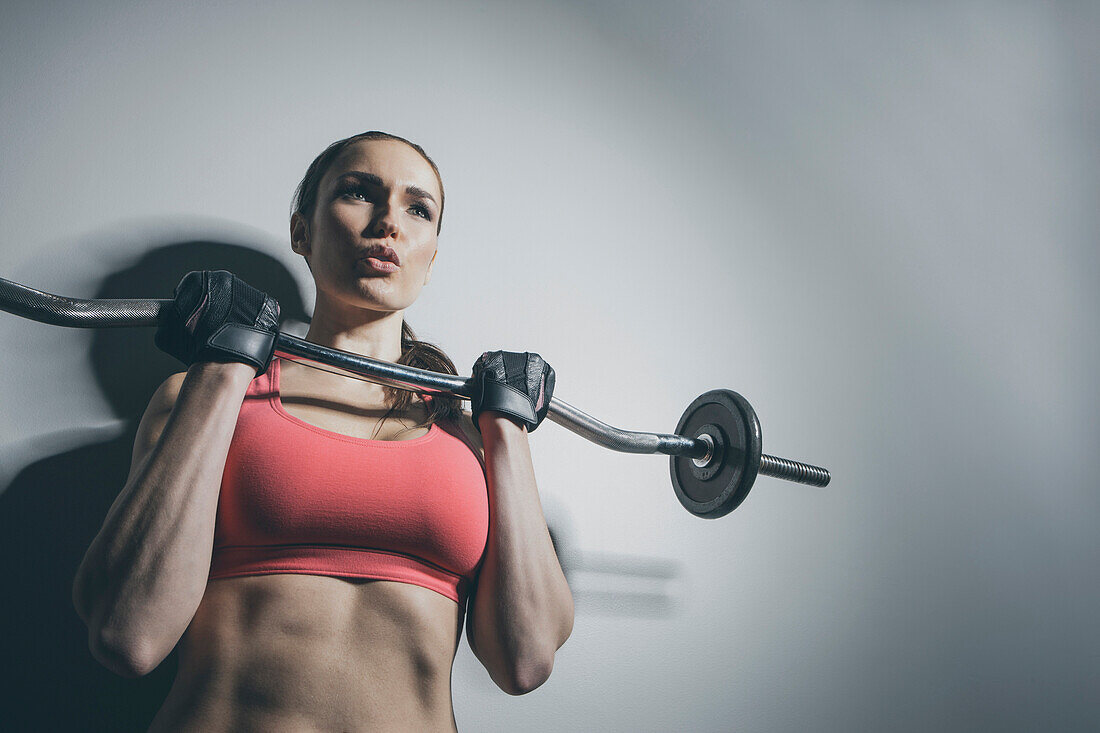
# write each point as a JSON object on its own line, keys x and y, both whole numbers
{"x": 391, "y": 160}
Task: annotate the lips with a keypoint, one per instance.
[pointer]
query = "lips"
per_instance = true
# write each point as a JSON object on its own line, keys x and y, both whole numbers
{"x": 382, "y": 252}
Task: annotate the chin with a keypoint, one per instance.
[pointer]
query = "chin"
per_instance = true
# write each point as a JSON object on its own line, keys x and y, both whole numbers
{"x": 384, "y": 302}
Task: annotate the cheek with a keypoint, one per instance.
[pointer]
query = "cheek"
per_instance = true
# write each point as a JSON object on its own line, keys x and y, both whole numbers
{"x": 423, "y": 252}
{"x": 344, "y": 220}
{"x": 337, "y": 221}
{"x": 332, "y": 234}
{"x": 424, "y": 259}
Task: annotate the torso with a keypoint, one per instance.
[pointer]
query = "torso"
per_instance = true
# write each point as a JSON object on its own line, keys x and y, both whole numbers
{"x": 312, "y": 653}
{"x": 309, "y": 653}
{"x": 344, "y": 405}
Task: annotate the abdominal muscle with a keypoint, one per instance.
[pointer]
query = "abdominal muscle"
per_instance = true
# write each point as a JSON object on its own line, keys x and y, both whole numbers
{"x": 310, "y": 653}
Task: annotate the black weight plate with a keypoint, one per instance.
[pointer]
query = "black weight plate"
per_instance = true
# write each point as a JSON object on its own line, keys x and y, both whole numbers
{"x": 717, "y": 489}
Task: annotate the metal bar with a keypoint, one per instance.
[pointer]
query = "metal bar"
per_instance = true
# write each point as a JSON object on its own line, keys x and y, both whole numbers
{"x": 420, "y": 380}
{"x": 108, "y": 313}
{"x": 121, "y": 313}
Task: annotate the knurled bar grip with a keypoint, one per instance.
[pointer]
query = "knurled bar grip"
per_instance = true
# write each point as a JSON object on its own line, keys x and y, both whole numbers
{"x": 123, "y": 313}
{"x": 76, "y": 313}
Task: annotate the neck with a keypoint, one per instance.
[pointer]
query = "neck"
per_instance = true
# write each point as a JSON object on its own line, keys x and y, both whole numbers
{"x": 370, "y": 333}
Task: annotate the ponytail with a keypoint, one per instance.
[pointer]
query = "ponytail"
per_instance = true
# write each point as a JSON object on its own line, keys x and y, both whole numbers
{"x": 424, "y": 355}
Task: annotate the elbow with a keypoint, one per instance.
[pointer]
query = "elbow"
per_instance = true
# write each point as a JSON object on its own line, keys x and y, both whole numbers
{"x": 533, "y": 669}
{"x": 83, "y": 596}
{"x": 528, "y": 675}
{"x": 123, "y": 654}
{"x": 117, "y": 639}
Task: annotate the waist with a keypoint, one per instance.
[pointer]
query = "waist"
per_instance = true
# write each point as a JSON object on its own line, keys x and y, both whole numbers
{"x": 301, "y": 652}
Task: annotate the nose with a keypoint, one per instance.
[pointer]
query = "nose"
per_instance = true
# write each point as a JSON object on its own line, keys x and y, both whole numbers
{"x": 383, "y": 224}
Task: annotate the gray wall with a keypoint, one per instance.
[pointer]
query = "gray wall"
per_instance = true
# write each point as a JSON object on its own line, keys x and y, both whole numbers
{"x": 876, "y": 221}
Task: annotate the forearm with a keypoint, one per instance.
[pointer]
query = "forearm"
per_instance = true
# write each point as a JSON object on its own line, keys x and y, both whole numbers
{"x": 523, "y": 609}
{"x": 146, "y": 571}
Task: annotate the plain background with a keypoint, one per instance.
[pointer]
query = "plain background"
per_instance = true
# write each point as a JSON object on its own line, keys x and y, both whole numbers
{"x": 876, "y": 221}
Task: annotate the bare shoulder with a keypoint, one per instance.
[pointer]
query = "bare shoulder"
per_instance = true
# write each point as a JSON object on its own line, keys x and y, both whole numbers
{"x": 156, "y": 416}
{"x": 463, "y": 428}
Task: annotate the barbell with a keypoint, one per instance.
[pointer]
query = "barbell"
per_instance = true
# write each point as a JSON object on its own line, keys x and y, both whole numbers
{"x": 714, "y": 456}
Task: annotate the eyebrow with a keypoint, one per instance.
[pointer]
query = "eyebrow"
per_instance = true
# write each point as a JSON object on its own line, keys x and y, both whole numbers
{"x": 374, "y": 180}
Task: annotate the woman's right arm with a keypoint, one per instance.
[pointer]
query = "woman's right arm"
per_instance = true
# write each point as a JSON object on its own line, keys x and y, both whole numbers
{"x": 145, "y": 573}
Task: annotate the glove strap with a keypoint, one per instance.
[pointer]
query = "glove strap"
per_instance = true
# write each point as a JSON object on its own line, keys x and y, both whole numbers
{"x": 252, "y": 345}
{"x": 508, "y": 400}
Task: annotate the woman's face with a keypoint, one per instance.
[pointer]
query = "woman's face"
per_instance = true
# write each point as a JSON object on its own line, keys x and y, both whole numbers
{"x": 379, "y": 199}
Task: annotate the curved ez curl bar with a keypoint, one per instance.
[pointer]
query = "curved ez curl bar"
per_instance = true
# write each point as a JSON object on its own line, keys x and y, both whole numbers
{"x": 715, "y": 452}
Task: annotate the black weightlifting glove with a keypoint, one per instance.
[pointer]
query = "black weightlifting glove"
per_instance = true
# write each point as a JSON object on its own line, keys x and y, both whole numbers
{"x": 216, "y": 316}
{"x": 517, "y": 385}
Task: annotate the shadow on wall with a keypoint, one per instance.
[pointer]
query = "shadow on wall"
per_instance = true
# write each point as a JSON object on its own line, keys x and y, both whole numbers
{"x": 616, "y": 584}
{"x": 52, "y": 509}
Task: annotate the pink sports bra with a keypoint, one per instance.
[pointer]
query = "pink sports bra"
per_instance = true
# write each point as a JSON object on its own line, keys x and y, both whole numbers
{"x": 296, "y": 498}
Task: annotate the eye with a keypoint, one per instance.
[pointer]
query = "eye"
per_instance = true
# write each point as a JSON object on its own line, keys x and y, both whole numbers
{"x": 421, "y": 210}
{"x": 354, "y": 191}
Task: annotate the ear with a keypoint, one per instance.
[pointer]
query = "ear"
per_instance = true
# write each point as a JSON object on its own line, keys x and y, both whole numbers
{"x": 428, "y": 275}
{"x": 299, "y": 234}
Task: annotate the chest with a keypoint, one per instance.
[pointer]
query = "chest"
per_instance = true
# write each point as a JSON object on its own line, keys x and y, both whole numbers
{"x": 290, "y": 482}
{"x": 345, "y": 406}
{"x": 340, "y": 414}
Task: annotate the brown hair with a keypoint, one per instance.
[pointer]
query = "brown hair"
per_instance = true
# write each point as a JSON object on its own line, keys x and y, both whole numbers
{"x": 414, "y": 353}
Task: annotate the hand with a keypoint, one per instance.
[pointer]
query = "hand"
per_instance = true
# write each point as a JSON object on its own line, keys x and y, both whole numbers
{"x": 518, "y": 385}
{"x": 216, "y": 316}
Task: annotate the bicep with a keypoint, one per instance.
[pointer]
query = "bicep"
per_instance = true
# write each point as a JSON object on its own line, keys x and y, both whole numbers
{"x": 89, "y": 580}
{"x": 155, "y": 418}
{"x": 473, "y": 438}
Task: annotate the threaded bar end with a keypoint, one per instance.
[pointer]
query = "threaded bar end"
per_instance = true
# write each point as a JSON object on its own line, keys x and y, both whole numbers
{"x": 802, "y": 473}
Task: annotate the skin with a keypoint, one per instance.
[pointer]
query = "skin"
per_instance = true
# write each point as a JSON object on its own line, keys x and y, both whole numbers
{"x": 312, "y": 653}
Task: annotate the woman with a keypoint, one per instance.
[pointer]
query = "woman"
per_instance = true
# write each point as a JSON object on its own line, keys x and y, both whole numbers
{"x": 311, "y": 542}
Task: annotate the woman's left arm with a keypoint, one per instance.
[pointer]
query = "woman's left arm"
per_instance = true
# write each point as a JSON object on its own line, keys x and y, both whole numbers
{"x": 522, "y": 609}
